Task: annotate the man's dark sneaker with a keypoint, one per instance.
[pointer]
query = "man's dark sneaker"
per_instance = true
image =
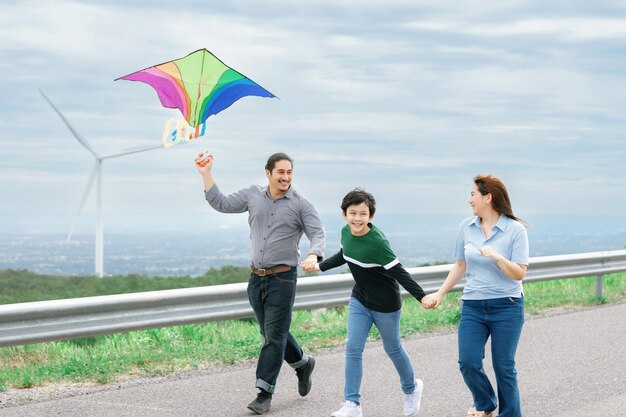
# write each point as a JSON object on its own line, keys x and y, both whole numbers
{"x": 304, "y": 376}
{"x": 261, "y": 403}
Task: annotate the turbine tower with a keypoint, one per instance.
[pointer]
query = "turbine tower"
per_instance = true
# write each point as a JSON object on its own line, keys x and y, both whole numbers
{"x": 96, "y": 173}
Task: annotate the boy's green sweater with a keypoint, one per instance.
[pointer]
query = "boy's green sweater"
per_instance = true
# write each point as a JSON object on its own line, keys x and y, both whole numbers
{"x": 375, "y": 268}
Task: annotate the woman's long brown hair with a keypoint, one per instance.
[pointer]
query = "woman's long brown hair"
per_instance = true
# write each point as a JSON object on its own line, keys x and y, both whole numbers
{"x": 500, "y": 201}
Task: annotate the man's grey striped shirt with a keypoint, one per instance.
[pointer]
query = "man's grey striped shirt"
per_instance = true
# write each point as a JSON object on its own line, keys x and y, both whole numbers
{"x": 276, "y": 226}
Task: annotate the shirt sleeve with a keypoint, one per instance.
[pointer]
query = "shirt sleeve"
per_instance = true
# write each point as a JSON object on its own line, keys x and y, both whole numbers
{"x": 333, "y": 262}
{"x": 233, "y": 203}
{"x": 519, "y": 250}
{"x": 313, "y": 229}
{"x": 459, "y": 247}
{"x": 408, "y": 283}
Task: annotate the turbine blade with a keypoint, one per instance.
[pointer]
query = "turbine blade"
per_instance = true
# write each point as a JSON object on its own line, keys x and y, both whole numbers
{"x": 92, "y": 176}
{"x": 78, "y": 137}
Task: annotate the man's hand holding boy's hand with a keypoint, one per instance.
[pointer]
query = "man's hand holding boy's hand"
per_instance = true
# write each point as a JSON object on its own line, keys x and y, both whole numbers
{"x": 310, "y": 264}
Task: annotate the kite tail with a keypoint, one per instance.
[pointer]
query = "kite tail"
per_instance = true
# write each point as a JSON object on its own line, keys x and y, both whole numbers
{"x": 179, "y": 131}
{"x": 169, "y": 135}
{"x": 200, "y": 129}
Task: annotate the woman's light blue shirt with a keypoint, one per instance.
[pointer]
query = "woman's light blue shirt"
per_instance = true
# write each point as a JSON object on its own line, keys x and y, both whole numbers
{"x": 484, "y": 279}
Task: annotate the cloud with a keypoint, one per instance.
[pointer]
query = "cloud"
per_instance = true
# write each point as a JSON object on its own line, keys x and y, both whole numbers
{"x": 406, "y": 97}
{"x": 574, "y": 29}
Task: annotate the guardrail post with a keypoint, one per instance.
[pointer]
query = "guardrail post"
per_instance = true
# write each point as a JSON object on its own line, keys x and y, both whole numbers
{"x": 599, "y": 286}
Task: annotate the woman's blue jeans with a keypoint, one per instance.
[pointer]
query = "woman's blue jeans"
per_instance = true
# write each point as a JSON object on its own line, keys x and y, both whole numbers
{"x": 360, "y": 320}
{"x": 271, "y": 298}
{"x": 502, "y": 320}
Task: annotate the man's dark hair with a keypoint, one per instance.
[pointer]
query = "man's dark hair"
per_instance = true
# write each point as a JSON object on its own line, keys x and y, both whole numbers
{"x": 271, "y": 161}
{"x": 356, "y": 197}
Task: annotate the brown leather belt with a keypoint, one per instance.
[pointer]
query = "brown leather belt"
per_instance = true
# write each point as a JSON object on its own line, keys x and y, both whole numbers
{"x": 269, "y": 271}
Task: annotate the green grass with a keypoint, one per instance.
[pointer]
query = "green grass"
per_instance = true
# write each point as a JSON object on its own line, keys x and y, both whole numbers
{"x": 167, "y": 350}
{"x": 541, "y": 296}
{"x": 20, "y": 286}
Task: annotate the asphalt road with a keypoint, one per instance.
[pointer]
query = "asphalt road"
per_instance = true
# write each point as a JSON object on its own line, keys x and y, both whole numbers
{"x": 570, "y": 365}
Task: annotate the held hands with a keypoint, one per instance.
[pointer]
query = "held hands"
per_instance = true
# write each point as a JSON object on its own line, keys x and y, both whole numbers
{"x": 310, "y": 264}
{"x": 432, "y": 301}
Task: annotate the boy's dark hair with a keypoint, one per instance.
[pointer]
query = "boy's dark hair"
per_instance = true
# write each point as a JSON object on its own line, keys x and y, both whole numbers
{"x": 356, "y": 197}
{"x": 271, "y": 161}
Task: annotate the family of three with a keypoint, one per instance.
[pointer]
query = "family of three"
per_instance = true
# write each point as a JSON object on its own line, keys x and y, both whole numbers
{"x": 491, "y": 252}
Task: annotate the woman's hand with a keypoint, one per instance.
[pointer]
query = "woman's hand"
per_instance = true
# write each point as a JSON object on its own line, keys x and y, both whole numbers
{"x": 510, "y": 269}
{"x": 490, "y": 253}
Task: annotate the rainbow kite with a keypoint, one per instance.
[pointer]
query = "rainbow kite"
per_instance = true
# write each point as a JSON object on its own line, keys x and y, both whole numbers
{"x": 199, "y": 85}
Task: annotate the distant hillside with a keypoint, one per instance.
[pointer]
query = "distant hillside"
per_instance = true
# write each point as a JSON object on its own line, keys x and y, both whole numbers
{"x": 20, "y": 286}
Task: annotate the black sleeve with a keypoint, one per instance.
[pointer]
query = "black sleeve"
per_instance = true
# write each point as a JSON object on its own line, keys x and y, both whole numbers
{"x": 404, "y": 278}
{"x": 333, "y": 262}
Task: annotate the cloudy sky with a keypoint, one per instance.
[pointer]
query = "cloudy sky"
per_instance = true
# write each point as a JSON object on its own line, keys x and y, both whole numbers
{"x": 406, "y": 98}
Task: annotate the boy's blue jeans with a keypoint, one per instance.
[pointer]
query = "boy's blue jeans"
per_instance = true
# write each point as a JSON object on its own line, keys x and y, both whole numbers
{"x": 502, "y": 320}
{"x": 360, "y": 320}
{"x": 271, "y": 298}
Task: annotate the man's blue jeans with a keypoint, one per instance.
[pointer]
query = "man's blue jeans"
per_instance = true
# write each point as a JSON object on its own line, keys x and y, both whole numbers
{"x": 271, "y": 298}
{"x": 360, "y": 320}
{"x": 502, "y": 319}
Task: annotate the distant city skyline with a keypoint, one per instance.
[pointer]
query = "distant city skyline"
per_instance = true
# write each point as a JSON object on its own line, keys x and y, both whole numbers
{"x": 408, "y": 99}
{"x": 429, "y": 239}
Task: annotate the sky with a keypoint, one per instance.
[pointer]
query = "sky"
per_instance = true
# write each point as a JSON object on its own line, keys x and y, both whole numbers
{"x": 407, "y": 99}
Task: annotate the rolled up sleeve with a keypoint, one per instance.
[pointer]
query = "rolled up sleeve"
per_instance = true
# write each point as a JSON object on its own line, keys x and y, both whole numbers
{"x": 314, "y": 230}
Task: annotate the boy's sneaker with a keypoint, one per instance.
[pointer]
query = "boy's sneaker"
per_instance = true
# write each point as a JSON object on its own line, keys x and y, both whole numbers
{"x": 473, "y": 412}
{"x": 413, "y": 400}
{"x": 304, "y": 376}
{"x": 261, "y": 403}
{"x": 349, "y": 409}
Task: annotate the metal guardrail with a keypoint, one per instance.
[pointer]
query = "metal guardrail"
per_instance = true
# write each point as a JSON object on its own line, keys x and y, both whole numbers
{"x": 56, "y": 320}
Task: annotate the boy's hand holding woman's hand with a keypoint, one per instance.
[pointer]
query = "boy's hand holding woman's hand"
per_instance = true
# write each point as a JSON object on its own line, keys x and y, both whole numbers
{"x": 432, "y": 301}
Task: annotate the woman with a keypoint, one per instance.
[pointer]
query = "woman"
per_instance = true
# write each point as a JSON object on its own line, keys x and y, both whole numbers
{"x": 492, "y": 254}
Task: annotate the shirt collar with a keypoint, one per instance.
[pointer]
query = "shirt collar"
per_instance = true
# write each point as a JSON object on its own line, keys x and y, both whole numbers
{"x": 476, "y": 221}
{"x": 288, "y": 194}
{"x": 502, "y": 223}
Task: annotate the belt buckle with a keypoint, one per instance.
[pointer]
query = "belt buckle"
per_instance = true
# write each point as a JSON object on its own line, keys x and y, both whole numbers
{"x": 261, "y": 272}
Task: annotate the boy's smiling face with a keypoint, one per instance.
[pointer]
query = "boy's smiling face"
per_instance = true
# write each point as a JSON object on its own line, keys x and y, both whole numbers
{"x": 357, "y": 217}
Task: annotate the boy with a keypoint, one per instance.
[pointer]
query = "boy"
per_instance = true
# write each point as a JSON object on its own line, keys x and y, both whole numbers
{"x": 375, "y": 300}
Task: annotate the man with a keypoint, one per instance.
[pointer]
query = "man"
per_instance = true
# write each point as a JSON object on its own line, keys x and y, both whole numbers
{"x": 278, "y": 216}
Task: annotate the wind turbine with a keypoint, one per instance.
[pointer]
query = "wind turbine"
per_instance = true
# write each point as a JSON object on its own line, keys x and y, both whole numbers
{"x": 96, "y": 173}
